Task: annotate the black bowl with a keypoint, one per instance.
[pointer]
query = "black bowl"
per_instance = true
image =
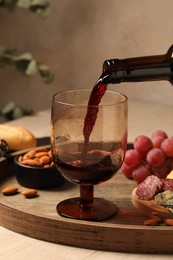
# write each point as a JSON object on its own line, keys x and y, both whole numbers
{"x": 37, "y": 177}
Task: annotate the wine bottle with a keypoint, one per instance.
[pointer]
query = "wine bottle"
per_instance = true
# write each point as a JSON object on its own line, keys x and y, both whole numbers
{"x": 138, "y": 69}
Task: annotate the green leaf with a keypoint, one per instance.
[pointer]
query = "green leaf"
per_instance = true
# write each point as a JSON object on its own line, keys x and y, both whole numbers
{"x": 24, "y": 56}
{"x": 8, "y": 108}
{"x": 32, "y": 68}
{"x": 45, "y": 73}
{"x": 22, "y": 61}
{"x": 22, "y": 65}
{"x": 9, "y": 57}
{"x": 17, "y": 112}
{"x": 40, "y": 2}
{"x": 40, "y": 7}
{"x": 25, "y": 63}
{"x": 24, "y": 3}
{"x": 44, "y": 13}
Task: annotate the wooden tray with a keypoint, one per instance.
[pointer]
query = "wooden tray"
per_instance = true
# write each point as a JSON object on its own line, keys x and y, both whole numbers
{"x": 37, "y": 218}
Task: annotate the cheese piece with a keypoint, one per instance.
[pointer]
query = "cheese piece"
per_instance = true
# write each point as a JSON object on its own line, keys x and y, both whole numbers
{"x": 170, "y": 175}
{"x": 165, "y": 198}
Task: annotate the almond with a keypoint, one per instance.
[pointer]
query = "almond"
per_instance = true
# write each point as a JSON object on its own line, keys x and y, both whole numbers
{"x": 30, "y": 193}
{"x": 151, "y": 222}
{"x": 32, "y": 162}
{"x": 47, "y": 166}
{"x": 50, "y": 153}
{"x": 10, "y": 190}
{"x": 41, "y": 149}
{"x": 52, "y": 164}
{"x": 169, "y": 221}
{"x": 30, "y": 154}
{"x": 45, "y": 160}
{"x": 20, "y": 159}
{"x": 40, "y": 154}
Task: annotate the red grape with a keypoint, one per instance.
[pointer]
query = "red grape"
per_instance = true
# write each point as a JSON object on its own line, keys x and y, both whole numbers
{"x": 163, "y": 170}
{"x": 143, "y": 144}
{"x": 155, "y": 157}
{"x": 132, "y": 158}
{"x": 150, "y": 156}
{"x": 141, "y": 173}
{"x": 142, "y": 156}
{"x": 157, "y": 141}
{"x": 127, "y": 170}
{"x": 157, "y": 133}
{"x": 167, "y": 147}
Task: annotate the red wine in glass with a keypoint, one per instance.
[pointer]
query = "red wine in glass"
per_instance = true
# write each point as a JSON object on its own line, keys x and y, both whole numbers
{"x": 88, "y": 151}
{"x": 96, "y": 168}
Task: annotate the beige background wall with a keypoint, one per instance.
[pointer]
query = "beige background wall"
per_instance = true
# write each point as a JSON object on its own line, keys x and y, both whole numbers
{"x": 75, "y": 40}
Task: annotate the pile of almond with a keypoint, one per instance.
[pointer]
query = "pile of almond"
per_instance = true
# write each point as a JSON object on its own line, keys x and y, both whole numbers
{"x": 40, "y": 157}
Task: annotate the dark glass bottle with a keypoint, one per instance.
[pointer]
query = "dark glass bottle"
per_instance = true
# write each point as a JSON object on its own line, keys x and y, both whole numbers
{"x": 147, "y": 68}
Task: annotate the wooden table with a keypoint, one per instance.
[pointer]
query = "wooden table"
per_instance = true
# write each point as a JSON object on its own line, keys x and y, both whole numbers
{"x": 143, "y": 119}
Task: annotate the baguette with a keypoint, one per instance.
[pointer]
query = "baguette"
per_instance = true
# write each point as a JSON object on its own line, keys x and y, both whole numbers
{"x": 17, "y": 138}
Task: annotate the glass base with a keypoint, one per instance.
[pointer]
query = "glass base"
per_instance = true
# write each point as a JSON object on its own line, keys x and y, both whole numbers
{"x": 102, "y": 209}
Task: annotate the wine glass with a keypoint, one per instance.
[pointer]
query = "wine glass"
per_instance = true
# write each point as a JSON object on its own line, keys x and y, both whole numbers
{"x": 92, "y": 162}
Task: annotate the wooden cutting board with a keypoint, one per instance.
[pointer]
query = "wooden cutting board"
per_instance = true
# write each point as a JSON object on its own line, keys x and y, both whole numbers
{"x": 124, "y": 232}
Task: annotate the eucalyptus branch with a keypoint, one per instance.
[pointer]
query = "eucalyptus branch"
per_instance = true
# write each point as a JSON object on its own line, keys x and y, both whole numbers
{"x": 25, "y": 63}
{"x": 40, "y": 7}
{"x": 10, "y": 110}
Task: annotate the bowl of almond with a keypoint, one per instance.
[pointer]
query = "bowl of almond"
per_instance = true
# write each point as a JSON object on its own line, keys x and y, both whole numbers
{"x": 35, "y": 169}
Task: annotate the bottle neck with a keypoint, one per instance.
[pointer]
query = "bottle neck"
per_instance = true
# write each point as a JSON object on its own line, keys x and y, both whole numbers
{"x": 139, "y": 69}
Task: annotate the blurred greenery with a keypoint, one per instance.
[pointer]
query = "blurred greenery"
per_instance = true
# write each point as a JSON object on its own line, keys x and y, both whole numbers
{"x": 9, "y": 110}
{"x": 25, "y": 63}
{"x": 40, "y": 7}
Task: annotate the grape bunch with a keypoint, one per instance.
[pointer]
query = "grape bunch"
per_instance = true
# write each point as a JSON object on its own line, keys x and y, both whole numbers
{"x": 150, "y": 156}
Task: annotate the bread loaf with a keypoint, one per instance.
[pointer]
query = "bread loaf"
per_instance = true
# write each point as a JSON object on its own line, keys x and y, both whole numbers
{"x": 17, "y": 138}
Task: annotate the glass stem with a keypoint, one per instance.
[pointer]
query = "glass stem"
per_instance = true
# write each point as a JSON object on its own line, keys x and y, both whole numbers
{"x": 86, "y": 195}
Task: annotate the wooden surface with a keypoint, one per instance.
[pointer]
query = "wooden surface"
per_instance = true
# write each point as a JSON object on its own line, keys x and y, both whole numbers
{"x": 143, "y": 118}
{"x": 37, "y": 218}
{"x": 124, "y": 232}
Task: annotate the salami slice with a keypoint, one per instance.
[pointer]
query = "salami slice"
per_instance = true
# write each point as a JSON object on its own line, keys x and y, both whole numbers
{"x": 167, "y": 184}
{"x": 147, "y": 189}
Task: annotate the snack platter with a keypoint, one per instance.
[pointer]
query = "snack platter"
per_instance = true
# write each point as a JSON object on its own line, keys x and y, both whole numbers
{"x": 37, "y": 217}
